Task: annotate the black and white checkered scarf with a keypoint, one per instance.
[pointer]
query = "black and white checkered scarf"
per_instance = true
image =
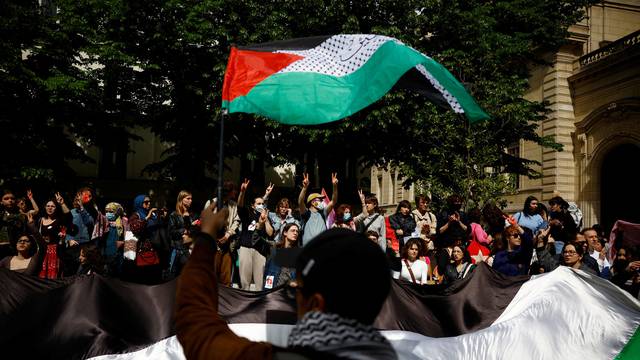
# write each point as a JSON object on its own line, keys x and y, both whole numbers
{"x": 341, "y": 336}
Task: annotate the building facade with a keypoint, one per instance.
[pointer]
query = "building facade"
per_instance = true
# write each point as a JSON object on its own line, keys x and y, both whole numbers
{"x": 593, "y": 90}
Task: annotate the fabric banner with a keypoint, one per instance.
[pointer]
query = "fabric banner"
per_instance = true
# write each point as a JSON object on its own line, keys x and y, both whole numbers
{"x": 563, "y": 314}
{"x": 317, "y": 80}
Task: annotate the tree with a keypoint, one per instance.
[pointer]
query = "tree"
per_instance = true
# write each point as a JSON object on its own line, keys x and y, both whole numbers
{"x": 40, "y": 92}
{"x": 161, "y": 64}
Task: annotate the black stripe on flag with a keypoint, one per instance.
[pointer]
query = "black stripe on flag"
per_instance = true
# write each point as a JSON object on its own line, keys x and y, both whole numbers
{"x": 290, "y": 44}
{"x": 87, "y": 316}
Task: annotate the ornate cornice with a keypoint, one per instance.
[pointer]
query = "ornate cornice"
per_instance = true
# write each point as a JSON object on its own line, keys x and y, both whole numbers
{"x": 615, "y": 109}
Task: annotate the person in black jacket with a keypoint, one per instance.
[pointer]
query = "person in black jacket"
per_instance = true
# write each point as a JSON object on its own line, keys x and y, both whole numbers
{"x": 402, "y": 222}
{"x": 256, "y": 228}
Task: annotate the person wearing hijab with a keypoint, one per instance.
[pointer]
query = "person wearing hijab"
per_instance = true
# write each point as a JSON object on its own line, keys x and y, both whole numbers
{"x": 112, "y": 240}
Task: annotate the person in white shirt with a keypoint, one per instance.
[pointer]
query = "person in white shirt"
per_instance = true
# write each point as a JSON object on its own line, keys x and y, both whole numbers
{"x": 413, "y": 269}
{"x": 598, "y": 252}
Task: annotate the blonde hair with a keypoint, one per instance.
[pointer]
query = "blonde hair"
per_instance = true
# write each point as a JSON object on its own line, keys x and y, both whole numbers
{"x": 180, "y": 209}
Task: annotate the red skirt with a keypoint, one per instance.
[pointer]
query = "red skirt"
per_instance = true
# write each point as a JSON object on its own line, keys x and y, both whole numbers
{"x": 51, "y": 263}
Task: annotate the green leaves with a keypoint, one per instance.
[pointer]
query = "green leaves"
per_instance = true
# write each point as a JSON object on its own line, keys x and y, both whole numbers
{"x": 95, "y": 66}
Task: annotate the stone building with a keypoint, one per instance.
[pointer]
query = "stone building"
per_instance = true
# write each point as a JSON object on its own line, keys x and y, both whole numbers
{"x": 593, "y": 90}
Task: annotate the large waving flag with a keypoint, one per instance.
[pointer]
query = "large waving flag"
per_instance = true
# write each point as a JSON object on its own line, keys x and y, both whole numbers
{"x": 316, "y": 80}
{"x": 564, "y": 314}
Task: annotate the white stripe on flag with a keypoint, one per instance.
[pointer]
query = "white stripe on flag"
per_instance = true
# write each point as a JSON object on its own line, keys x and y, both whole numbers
{"x": 564, "y": 314}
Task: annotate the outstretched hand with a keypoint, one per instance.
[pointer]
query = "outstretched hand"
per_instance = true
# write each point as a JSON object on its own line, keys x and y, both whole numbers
{"x": 334, "y": 179}
{"x": 361, "y": 195}
{"x": 214, "y": 222}
{"x": 269, "y": 189}
{"x": 305, "y": 180}
{"x": 59, "y": 199}
{"x": 263, "y": 216}
{"x": 244, "y": 185}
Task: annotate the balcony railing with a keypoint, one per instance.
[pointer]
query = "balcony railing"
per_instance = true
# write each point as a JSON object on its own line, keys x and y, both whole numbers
{"x": 612, "y": 48}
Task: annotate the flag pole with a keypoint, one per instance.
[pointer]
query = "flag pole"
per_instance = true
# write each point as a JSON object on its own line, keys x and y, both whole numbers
{"x": 223, "y": 114}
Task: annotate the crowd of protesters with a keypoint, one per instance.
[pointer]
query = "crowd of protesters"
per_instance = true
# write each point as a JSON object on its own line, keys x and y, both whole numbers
{"x": 150, "y": 245}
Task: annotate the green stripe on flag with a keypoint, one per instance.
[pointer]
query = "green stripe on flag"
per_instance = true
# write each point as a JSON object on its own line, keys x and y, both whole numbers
{"x": 305, "y": 98}
{"x": 632, "y": 349}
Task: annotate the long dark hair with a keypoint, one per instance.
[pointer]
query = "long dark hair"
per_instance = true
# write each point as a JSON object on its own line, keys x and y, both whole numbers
{"x": 527, "y": 206}
{"x": 286, "y": 228}
{"x": 57, "y": 214}
{"x": 466, "y": 257}
{"x": 405, "y": 204}
{"x": 94, "y": 258}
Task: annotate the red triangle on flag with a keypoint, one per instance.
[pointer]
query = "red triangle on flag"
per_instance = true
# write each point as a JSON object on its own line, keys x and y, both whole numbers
{"x": 246, "y": 69}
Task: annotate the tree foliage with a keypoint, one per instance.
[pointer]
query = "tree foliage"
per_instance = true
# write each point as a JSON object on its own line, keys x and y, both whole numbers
{"x": 161, "y": 63}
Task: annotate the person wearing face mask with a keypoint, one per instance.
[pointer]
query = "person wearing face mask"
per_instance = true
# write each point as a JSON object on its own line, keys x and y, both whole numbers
{"x": 343, "y": 218}
{"x": 113, "y": 239}
{"x": 254, "y": 246}
{"x": 313, "y": 210}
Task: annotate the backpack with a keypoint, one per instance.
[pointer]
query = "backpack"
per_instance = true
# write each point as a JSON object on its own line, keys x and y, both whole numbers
{"x": 576, "y": 214}
{"x": 305, "y": 217}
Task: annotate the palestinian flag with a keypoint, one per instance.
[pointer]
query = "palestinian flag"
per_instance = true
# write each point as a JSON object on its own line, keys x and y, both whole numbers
{"x": 564, "y": 314}
{"x": 317, "y": 80}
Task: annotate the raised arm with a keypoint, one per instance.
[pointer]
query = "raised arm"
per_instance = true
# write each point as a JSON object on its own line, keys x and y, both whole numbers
{"x": 264, "y": 223}
{"x": 60, "y": 201}
{"x": 267, "y": 192}
{"x": 363, "y": 215}
{"x": 303, "y": 194}
{"x": 202, "y": 333}
{"x": 334, "y": 195}
{"x": 34, "y": 205}
{"x": 243, "y": 190}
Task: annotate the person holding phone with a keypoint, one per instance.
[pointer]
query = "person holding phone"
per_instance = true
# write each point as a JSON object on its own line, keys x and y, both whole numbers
{"x": 452, "y": 221}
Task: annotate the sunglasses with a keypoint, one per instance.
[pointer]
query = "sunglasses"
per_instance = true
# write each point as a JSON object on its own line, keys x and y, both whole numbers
{"x": 147, "y": 202}
{"x": 515, "y": 235}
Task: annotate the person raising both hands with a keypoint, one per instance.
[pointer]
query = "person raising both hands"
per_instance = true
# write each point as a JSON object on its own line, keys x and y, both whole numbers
{"x": 313, "y": 210}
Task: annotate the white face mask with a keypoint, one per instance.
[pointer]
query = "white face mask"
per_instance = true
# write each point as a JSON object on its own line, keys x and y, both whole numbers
{"x": 319, "y": 205}
{"x": 260, "y": 207}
